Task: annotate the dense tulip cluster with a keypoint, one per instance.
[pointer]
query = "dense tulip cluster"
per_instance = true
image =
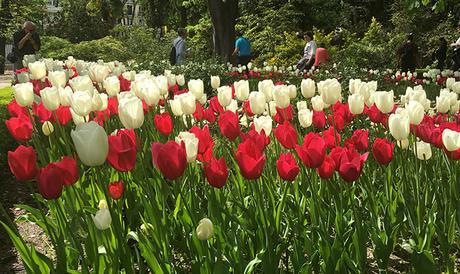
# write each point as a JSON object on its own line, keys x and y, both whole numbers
{"x": 132, "y": 145}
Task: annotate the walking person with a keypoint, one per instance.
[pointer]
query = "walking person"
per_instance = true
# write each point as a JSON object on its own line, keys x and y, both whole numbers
{"x": 25, "y": 42}
{"x": 180, "y": 50}
{"x": 242, "y": 50}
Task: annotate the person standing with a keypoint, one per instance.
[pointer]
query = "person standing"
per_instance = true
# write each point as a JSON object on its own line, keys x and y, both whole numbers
{"x": 309, "y": 52}
{"x": 440, "y": 53}
{"x": 25, "y": 42}
{"x": 456, "y": 53}
{"x": 408, "y": 54}
{"x": 321, "y": 56}
{"x": 242, "y": 50}
{"x": 180, "y": 45}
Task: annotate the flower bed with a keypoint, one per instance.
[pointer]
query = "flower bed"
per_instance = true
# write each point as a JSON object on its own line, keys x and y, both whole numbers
{"x": 138, "y": 172}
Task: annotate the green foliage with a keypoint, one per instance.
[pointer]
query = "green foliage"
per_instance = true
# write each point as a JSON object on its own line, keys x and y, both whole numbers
{"x": 200, "y": 37}
{"x": 53, "y": 46}
{"x": 289, "y": 52}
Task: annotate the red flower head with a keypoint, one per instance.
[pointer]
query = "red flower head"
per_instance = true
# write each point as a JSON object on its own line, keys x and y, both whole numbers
{"x": 199, "y": 112}
{"x": 284, "y": 114}
{"x": 335, "y": 154}
{"x": 209, "y": 115}
{"x": 337, "y": 120}
{"x": 163, "y": 123}
{"x": 382, "y": 149}
{"x": 23, "y": 163}
{"x": 16, "y": 110}
{"x": 125, "y": 85}
{"x": 169, "y": 158}
{"x": 42, "y": 113}
{"x": 331, "y": 141}
{"x": 69, "y": 169}
{"x": 375, "y": 115}
{"x": 327, "y": 169}
{"x": 122, "y": 150}
{"x": 251, "y": 159}
{"x": 319, "y": 119}
{"x": 313, "y": 150}
{"x": 64, "y": 115}
{"x": 216, "y": 172}
{"x": 247, "y": 108}
{"x": 229, "y": 125}
{"x": 112, "y": 105}
{"x": 260, "y": 139}
{"x": 116, "y": 189}
{"x": 20, "y": 128}
{"x": 205, "y": 143}
{"x": 351, "y": 164}
{"x": 360, "y": 139}
{"x": 50, "y": 182}
{"x": 287, "y": 167}
{"x": 216, "y": 107}
{"x": 286, "y": 134}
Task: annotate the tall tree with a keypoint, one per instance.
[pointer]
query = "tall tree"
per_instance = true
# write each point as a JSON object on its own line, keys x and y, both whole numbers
{"x": 223, "y": 16}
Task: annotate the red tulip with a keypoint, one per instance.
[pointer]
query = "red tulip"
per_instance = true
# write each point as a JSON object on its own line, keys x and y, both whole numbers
{"x": 23, "y": 163}
{"x": 205, "y": 143}
{"x": 286, "y": 134}
{"x": 50, "y": 182}
{"x": 260, "y": 139}
{"x": 16, "y": 110}
{"x": 454, "y": 155}
{"x": 216, "y": 107}
{"x": 251, "y": 159}
{"x": 216, "y": 172}
{"x": 382, "y": 149}
{"x": 125, "y": 85}
{"x": 284, "y": 114}
{"x": 335, "y": 155}
{"x": 116, "y": 190}
{"x": 337, "y": 120}
{"x": 163, "y": 123}
{"x": 20, "y": 128}
{"x": 63, "y": 114}
{"x": 327, "y": 168}
{"x": 375, "y": 115}
{"x": 69, "y": 168}
{"x": 122, "y": 150}
{"x": 319, "y": 119}
{"x": 199, "y": 112}
{"x": 247, "y": 108}
{"x": 329, "y": 139}
{"x": 42, "y": 113}
{"x": 287, "y": 167}
{"x": 351, "y": 164}
{"x": 112, "y": 105}
{"x": 209, "y": 115}
{"x": 360, "y": 139}
{"x": 229, "y": 125}
{"x": 313, "y": 150}
{"x": 169, "y": 158}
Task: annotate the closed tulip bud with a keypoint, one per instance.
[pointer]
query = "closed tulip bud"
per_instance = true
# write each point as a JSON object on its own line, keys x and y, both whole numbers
{"x": 180, "y": 79}
{"x": 196, "y": 87}
{"x": 305, "y": 117}
{"x": 354, "y": 84}
{"x": 112, "y": 85}
{"x": 204, "y": 230}
{"x": 267, "y": 87}
{"x": 450, "y": 82}
{"x": 317, "y": 103}
{"x": 442, "y": 104}
{"x": 102, "y": 220}
{"x": 242, "y": 89}
{"x": 191, "y": 144}
{"x": 301, "y": 105}
{"x": 96, "y": 101}
{"x": 292, "y": 91}
{"x": 57, "y": 78}
{"x": 131, "y": 112}
{"x": 24, "y": 94}
{"x": 82, "y": 83}
{"x": 162, "y": 83}
{"x": 224, "y": 95}
{"x": 147, "y": 90}
{"x": 423, "y": 150}
{"x": 77, "y": 119}
{"x": 37, "y": 69}
{"x": 203, "y": 99}
{"x": 98, "y": 73}
{"x": 308, "y": 88}
{"x": 384, "y": 101}
{"x": 233, "y": 106}
{"x": 81, "y": 103}
{"x": 451, "y": 139}
{"x": 330, "y": 90}
{"x": 399, "y": 125}
{"x": 171, "y": 79}
{"x": 257, "y": 102}
{"x": 263, "y": 122}
{"x": 65, "y": 96}
{"x": 47, "y": 128}
{"x": 416, "y": 112}
{"x": 188, "y": 103}
{"x": 403, "y": 144}
{"x": 356, "y": 103}
{"x": 281, "y": 96}
{"x": 50, "y": 98}
{"x": 456, "y": 87}
{"x": 215, "y": 82}
{"x": 91, "y": 143}
{"x": 176, "y": 107}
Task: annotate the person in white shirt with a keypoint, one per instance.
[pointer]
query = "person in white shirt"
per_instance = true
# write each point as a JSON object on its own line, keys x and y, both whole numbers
{"x": 308, "y": 52}
{"x": 180, "y": 45}
{"x": 456, "y": 54}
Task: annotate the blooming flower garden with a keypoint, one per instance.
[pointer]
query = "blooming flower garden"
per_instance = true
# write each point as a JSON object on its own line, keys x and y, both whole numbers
{"x": 160, "y": 173}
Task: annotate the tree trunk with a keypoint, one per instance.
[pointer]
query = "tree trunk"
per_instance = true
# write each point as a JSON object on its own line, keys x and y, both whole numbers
{"x": 4, "y": 14}
{"x": 223, "y": 17}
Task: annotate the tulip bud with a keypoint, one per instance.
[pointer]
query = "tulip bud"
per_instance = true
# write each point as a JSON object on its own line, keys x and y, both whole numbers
{"x": 180, "y": 79}
{"x": 162, "y": 83}
{"x": 131, "y": 112}
{"x": 308, "y": 88}
{"x": 57, "y": 78}
{"x": 191, "y": 144}
{"x": 267, "y": 87}
{"x": 442, "y": 104}
{"x": 176, "y": 107}
{"x": 224, "y": 95}
{"x": 416, "y": 112}
{"x": 81, "y": 103}
{"x": 330, "y": 90}
{"x": 257, "y": 102}
{"x": 50, "y": 98}
{"x": 399, "y": 125}
{"x": 423, "y": 150}
{"x": 47, "y": 128}
{"x": 188, "y": 103}
{"x": 102, "y": 219}
{"x": 263, "y": 122}
{"x": 281, "y": 96}
{"x": 91, "y": 143}
{"x": 403, "y": 144}
{"x": 292, "y": 91}
{"x": 241, "y": 89}
{"x": 215, "y": 82}
{"x": 82, "y": 83}
{"x": 317, "y": 103}
{"x": 98, "y": 73}
{"x": 451, "y": 139}
{"x": 305, "y": 117}
{"x": 37, "y": 69}
{"x": 24, "y": 94}
{"x": 384, "y": 101}
{"x": 112, "y": 85}
{"x": 171, "y": 79}
{"x": 205, "y": 229}
{"x": 196, "y": 87}
{"x": 356, "y": 103}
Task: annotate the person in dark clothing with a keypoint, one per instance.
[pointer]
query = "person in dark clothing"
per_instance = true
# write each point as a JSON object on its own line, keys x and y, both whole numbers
{"x": 26, "y": 41}
{"x": 440, "y": 53}
{"x": 408, "y": 54}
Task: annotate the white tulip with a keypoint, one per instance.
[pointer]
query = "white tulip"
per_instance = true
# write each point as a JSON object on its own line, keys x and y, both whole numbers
{"x": 196, "y": 87}
{"x": 233, "y": 106}
{"x": 82, "y": 83}
{"x": 267, "y": 87}
{"x": 455, "y": 107}
{"x": 191, "y": 144}
{"x": 257, "y": 101}
{"x": 188, "y": 103}
{"x": 176, "y": 107}
{"x": 162, "y": 83}
{"x": 77, "y": 119}
{"x": 180, "y": 79}
{"x": 263, "y": 122}
{"x": 204, "y": 230}
{"x": 241, "y": 89}
{"x": 38, "y": 70}
{"x": 91, "y": 143}
{"x": 356, "y": 103}
{"x": 450, "y": 82}
{"x": 301, "y": 105}
{"x": 281, "y": 96}
{"x": 317, "y": 103}
{"x": 215, "y": 82}
{"x": 308, "y": 88}
{"x": 81, "y": 103}
{"x": 292, "y": 91}
{"x": 47, "y": 128}
{"x": 203, "y": 99}
{"x": 423, "y": 150}
{"x": 305, "y": 117}
{"x": 384, "y": 101}
{"x": 353, "y": 85}
{"x": 50, "y": 98}
{"x": 416, "y": 112}
{"x": 442, "y": 104}
{"x": 131, "y": 112}
{"x": 98, "y": 73}
{"x": 456, "y": 87}
{"x": 451, "y": 139}
{"x": 129, "y": 75}
{"x": 224, "y": 95}
{"x": 171, "y": 79}
{"x": 102, "y": 220}
{"x": 330, "y": 90}
{"x": 57, "y": 78}
{"x": 399, "y": 125}
{"x": 403, "y": 144}
{"x": 65, "y": 96}
{"x": 112, "y": 85}
{"x": 147, "y": 90}
{"x": 24, "y": 94}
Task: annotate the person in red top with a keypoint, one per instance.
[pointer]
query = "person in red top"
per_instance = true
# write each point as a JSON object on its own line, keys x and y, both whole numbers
{"x": 321, "y": 56}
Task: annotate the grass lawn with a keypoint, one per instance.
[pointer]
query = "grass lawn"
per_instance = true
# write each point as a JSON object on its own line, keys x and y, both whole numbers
{"x": 6, "y": 94}
{"x": 7, "y": 142}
